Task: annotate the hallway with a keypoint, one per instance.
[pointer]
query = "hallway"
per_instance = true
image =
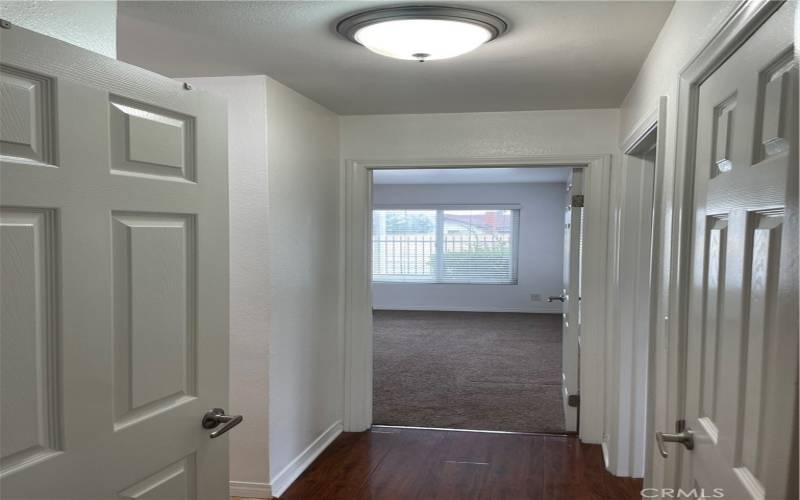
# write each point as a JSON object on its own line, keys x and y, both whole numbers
{"x": 489, "y": 250}
{"x": 398, "y": 464}
{"x": 468, "y": 370}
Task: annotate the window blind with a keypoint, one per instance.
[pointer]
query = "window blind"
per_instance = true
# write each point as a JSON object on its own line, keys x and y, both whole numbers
{"x": 445, "y": 245}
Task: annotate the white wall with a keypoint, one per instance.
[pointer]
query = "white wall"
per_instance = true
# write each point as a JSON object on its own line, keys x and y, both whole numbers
{"x": 305, "y": 369}
{"x": 249, "y": 275}
{"x": 285, "y": 354}
{"x": 541, "y": 249}
{"x": 689, "y": 27}
{"x": 493, "y": 135}
{"x": 91, "y": 25}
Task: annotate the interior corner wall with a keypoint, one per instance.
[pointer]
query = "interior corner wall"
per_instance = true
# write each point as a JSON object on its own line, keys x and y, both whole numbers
{"x": 540, "y": 249}
{"x": 306, "y": 357}
{"x": 689, "y": 27}
{"x": 91, "y": 25}
{"x": 249, "y": 276}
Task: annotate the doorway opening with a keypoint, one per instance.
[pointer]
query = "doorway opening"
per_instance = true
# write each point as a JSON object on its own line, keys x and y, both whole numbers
{"x": 475, "y": 288}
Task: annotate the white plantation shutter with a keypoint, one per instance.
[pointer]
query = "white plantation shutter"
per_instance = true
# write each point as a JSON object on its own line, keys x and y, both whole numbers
{"x": 445, "y": 245}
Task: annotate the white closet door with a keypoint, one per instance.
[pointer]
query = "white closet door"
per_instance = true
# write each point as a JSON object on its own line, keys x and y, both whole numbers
{"x": 741, "y": 394}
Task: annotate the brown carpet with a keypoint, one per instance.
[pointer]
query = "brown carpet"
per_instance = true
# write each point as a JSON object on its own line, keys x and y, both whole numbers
{"x": 465, "y": 370}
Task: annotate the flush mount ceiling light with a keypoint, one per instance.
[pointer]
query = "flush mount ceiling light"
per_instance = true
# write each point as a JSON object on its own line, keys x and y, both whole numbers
{"x": 422, "y": 32}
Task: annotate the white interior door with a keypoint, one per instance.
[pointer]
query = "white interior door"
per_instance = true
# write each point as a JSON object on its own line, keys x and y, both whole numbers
{"x": 570, "y": 357}
{"x": 741, "y": 367}
{"x": 114, "y": 237}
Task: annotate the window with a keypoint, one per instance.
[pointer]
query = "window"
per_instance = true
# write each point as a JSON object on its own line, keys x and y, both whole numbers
{"x": 445, "y": 245}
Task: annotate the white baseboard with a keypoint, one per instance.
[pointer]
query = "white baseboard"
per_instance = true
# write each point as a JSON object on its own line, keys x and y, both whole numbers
{"x": 247, "y": 489}
{"x": 542, "y": 310}
{"x": 281, "y": 482}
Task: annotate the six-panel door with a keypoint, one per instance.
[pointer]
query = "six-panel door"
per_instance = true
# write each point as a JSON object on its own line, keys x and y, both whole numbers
{"x": 743, "y": 323}
{"x": 113, "y": 247}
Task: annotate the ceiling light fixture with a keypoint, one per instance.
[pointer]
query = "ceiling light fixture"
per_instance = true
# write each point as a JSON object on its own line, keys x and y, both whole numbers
{"x": 421, "y": 32}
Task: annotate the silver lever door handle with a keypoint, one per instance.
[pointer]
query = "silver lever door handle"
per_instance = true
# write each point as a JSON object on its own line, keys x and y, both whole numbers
{"x": 561, "y": 298}
{"x": 216, "y": 416}
{"x": 686, "y": 438}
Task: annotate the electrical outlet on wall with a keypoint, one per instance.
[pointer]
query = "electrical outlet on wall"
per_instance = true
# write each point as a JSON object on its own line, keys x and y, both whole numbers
{"x": 536, "y": 297}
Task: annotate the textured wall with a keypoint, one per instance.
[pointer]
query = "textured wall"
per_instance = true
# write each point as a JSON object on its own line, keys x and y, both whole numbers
{"x": 305, "y": 371}
{"x": 494, "y": 135}
{"x": 689, "y": 27}
{"x": 249, "y": 268}
{"x": 91, "y": 25}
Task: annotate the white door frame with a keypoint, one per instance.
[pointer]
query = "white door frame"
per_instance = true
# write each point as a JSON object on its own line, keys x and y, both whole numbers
{"x": 358, "y": 300}
{"x": 737, "y": 28}
{"x": 631, "y": 391}
{"x": 571, "y": 308}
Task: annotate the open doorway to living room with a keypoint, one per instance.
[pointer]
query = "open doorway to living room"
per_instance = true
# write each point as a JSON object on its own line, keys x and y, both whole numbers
{"x": 475, "y": 318}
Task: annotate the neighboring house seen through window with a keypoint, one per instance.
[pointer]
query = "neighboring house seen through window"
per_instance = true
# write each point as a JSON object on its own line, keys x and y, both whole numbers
{"x": 445, "y": 245}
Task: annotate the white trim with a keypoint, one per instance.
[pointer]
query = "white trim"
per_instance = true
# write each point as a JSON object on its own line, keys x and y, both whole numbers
{"x": 643, "y": 130}
{"x": 246, "y": 489}
{"x": 555, "y": 309}
{"x": 627, "y": 427}
{"x": 358, "y": 317}
{"x": 283, "y": 479}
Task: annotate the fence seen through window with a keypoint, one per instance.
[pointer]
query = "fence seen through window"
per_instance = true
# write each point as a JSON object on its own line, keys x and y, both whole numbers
{"x": 444, "y": 245}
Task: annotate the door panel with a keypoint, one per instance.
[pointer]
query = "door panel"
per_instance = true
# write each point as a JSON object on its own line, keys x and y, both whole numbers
{"x": 155, "y": 300}
{"x": 741, "y": 392}
{"x": 175, "y": 482}
{"x": 113, "y": 183}
{"x": 570, "y": 362}
{"x": 137, "y": 127}
{"x": 29, "y": 383}
{"x": 27, "y": 130}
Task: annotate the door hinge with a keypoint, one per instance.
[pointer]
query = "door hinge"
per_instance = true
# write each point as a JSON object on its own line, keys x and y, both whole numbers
{"x": 577, "y": 201}
{"x": 574, "y": 400}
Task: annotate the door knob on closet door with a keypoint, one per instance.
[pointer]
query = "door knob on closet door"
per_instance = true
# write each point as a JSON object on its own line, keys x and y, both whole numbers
{"x": 562, "y": 298}
{"x": 216, "y": 416}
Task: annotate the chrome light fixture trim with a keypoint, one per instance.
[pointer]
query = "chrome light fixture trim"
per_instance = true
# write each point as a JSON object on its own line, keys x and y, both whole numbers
{"x": 350, "y": 26}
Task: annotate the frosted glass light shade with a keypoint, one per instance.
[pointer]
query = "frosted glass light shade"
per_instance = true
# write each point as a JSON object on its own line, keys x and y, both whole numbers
{"x": 422, "y": 39}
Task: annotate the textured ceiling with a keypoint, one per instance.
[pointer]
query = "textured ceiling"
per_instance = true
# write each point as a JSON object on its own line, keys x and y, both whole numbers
{"x": 557, "y": 55}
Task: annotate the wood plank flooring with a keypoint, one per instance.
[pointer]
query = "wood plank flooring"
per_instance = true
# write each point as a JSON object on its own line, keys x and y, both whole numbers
{"x": 399, "y": 464}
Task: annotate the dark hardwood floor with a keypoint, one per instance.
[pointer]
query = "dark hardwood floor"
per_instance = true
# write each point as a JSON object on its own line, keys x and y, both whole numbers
{"x": 398, "y": 464}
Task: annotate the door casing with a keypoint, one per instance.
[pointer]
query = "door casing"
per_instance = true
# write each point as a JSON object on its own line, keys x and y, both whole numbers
{"x": 631, "y": 411}
{"x": 358, "y": 298}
